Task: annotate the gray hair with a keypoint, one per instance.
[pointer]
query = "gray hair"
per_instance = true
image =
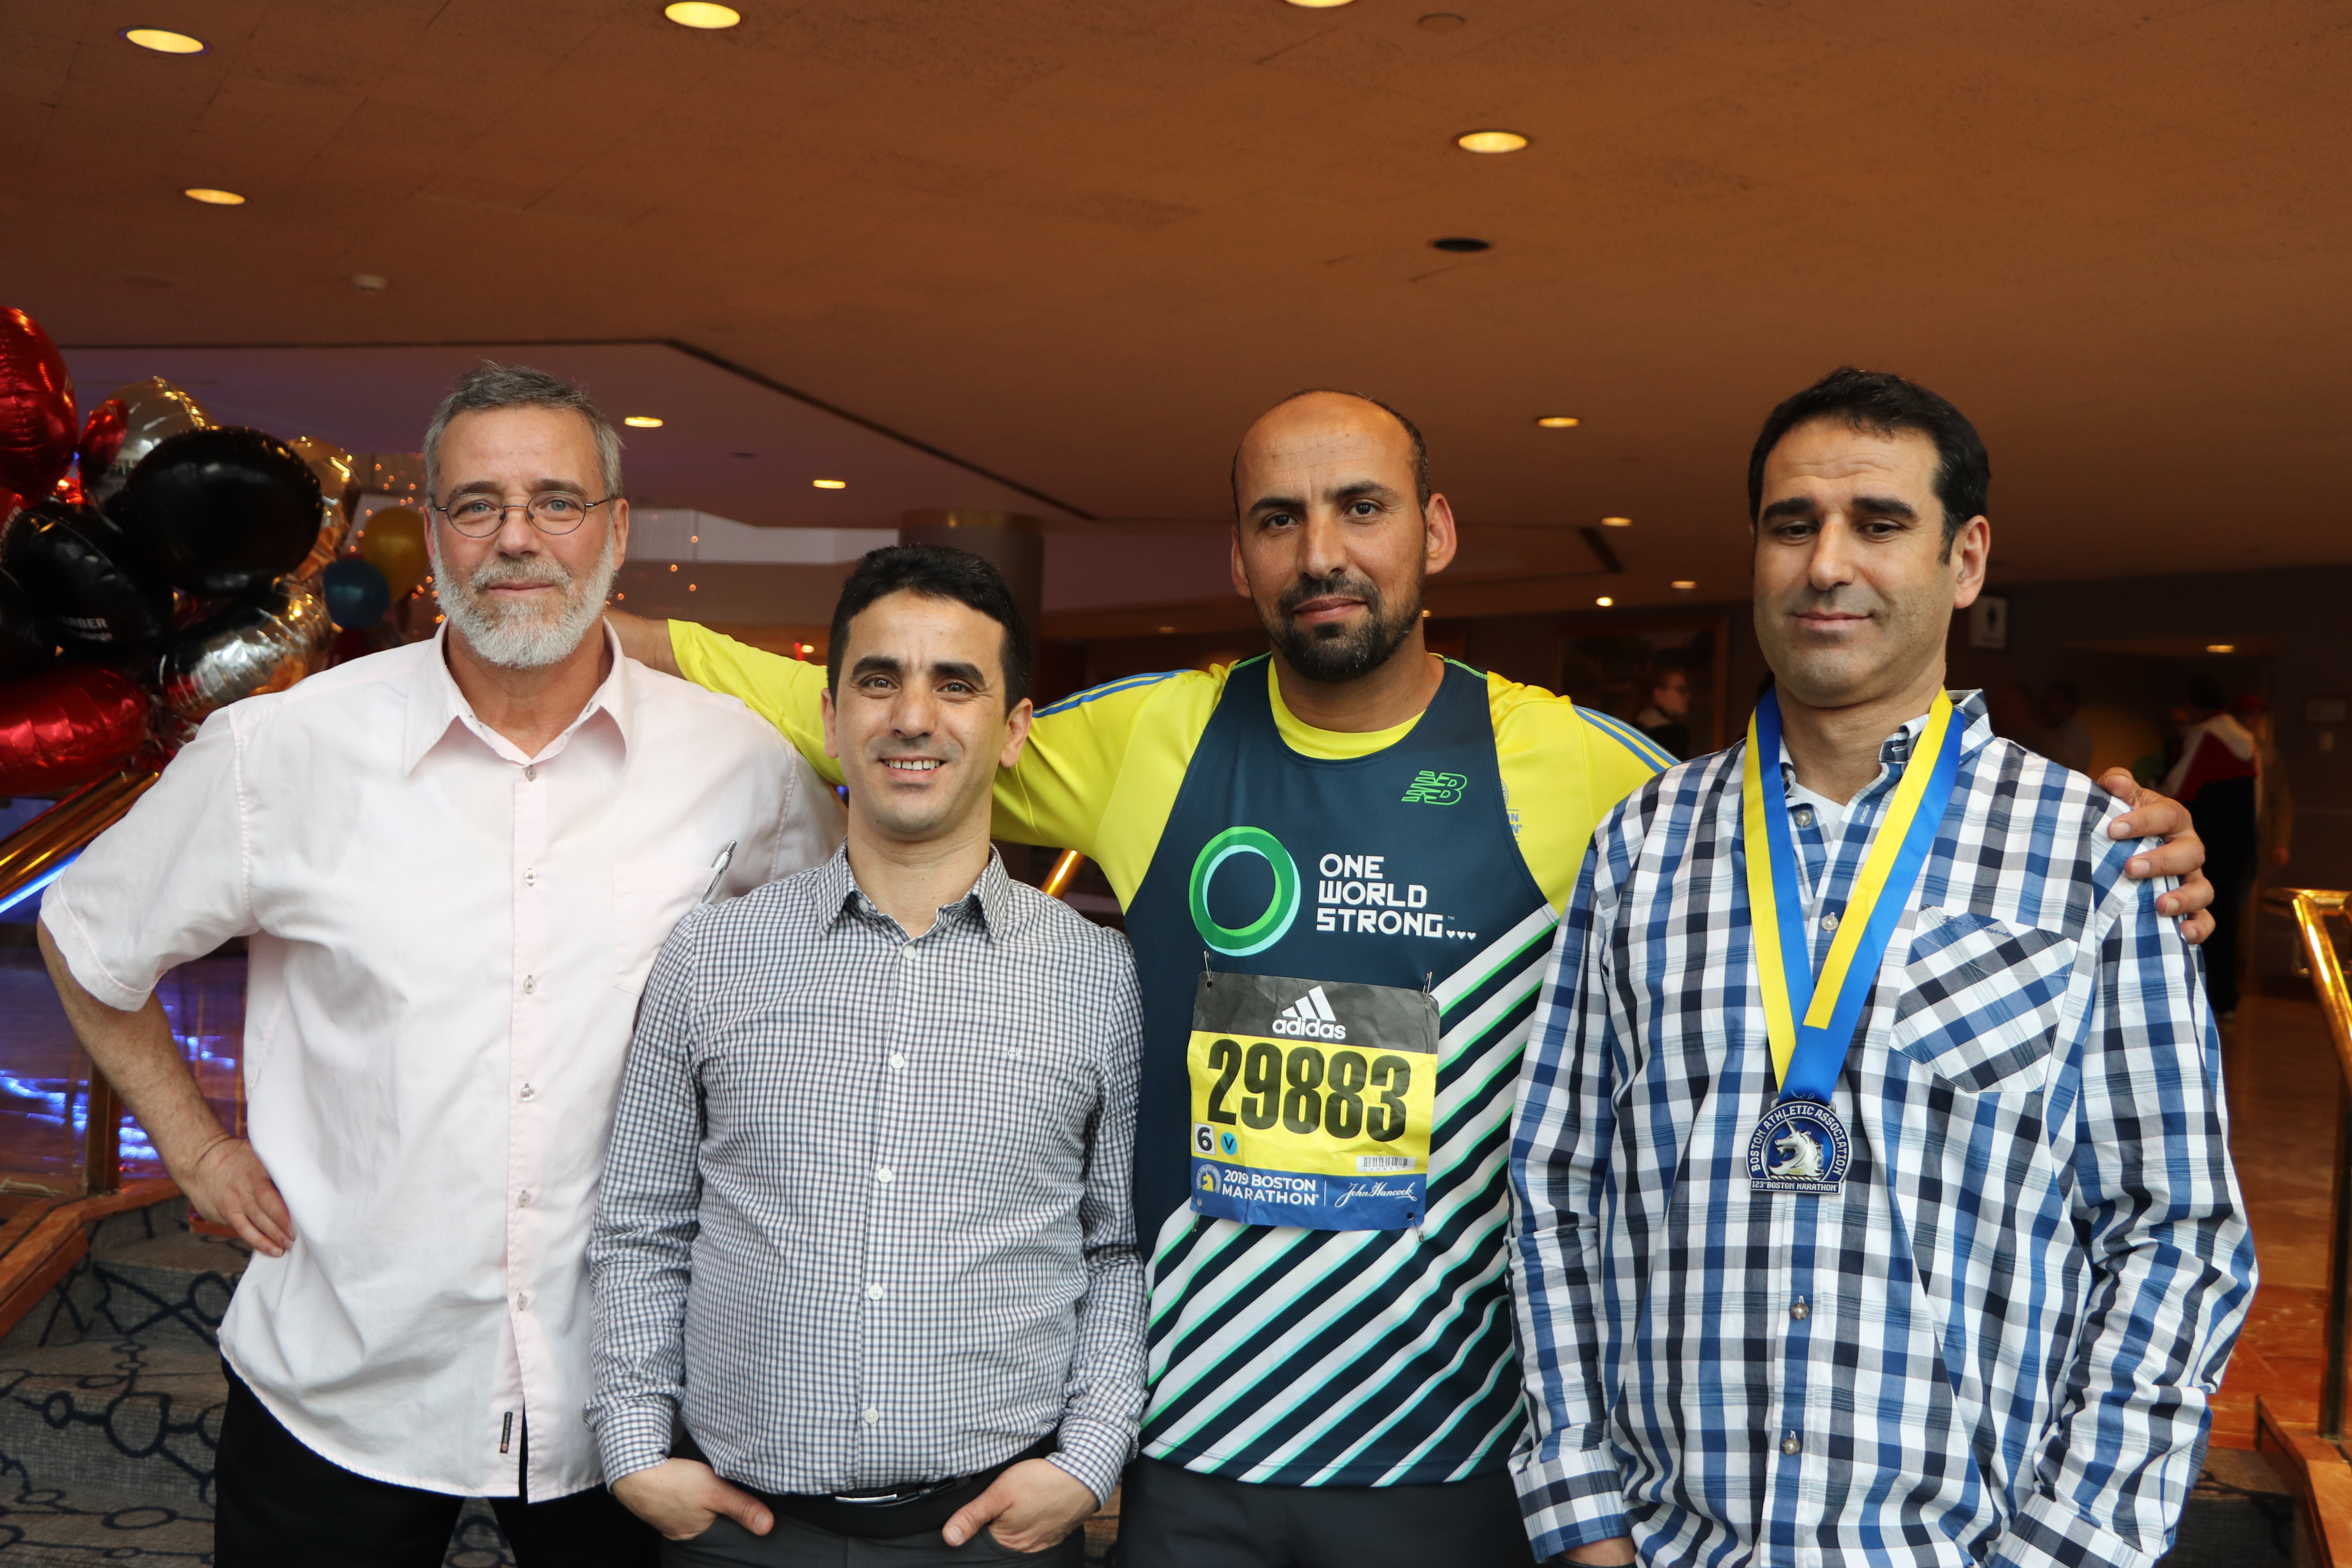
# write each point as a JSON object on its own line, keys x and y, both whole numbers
{"x": 493, "y": 385}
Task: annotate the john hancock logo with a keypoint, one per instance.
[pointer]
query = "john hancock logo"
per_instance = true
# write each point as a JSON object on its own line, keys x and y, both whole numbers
{"x": 1434, "y": 789}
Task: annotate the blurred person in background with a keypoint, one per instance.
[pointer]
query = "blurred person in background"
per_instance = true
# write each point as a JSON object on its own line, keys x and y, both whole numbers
{"x": 2065, "y": 738}
{"x": 2011, "y": 706}
{"x": 2215, "y": 778}
{"x": 1667, "y": 719}
{"x": 2273, "y": 802}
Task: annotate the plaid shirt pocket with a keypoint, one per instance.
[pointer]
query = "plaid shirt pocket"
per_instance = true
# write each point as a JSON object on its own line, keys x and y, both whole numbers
{"x": 1981, "y": 1000}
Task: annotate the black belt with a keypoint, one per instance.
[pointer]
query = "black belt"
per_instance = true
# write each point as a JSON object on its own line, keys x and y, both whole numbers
{"x": 918, "y": 1508}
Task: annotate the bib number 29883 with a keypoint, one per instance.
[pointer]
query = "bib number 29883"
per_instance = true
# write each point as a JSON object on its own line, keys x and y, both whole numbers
{"x": 1311, "y": 1103}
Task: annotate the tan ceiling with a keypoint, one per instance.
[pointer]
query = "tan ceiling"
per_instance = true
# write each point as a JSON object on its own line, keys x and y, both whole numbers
{"x": 1079, "y": 243}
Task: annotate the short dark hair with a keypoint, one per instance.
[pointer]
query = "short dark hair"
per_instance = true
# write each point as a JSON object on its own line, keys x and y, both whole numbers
{"x": 933, "y": 572}
{"x": 1411, "y": 431}
{"x": 1880, "y": 403}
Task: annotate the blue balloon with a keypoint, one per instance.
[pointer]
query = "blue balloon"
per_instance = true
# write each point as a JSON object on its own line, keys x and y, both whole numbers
{"x": 357, "y": 594}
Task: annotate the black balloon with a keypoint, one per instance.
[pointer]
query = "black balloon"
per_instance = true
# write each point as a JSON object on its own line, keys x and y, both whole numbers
{"x": 25, "y": 644}
{"x": 221, "y": 512}
{"x": 83, "y": 578}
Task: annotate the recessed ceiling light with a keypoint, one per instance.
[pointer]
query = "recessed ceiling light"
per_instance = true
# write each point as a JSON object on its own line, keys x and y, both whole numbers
{"x": 163, "y": 41}
{"x": 1172, "y": 628}
{"x": 1461, "y": 243}
{"x": 1682, "y": 582}
{"x": 830, "y": 484}
{"x": 211, "y": 197}
{"x": 370, "y": 282}
{"x": 1604, "y": 601}
{"x": 1616, "y": 523}
{"x": 702, "y": 14}
{"x": 1442, "y": 21}
{"x": 642, "y": 422}
{"x": 1559, "y": 421}
{"x": 2221, "y": 647}
{"x": 1319, "y": 5}
{"x": 1490, "y": 142}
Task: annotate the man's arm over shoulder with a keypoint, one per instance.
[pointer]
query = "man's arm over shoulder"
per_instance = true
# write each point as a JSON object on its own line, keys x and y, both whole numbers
{"x": 1564, "y": 768}
{"x": 1569, "y": 1489}
{"x": 1105, "y": 1404}
{"x": 641, "y": 1246}
{"x": 2155, "y": 1202}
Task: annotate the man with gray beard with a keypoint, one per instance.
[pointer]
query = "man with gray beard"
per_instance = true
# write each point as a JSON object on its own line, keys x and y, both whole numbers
{"x": 454, "y": 863}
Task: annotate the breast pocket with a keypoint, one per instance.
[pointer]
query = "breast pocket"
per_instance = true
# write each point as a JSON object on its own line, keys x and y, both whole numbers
{"x": 1981, "y": 1000}
{"x": 649, "y": 897}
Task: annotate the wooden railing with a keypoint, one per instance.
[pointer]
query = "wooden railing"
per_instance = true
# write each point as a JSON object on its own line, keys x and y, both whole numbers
{"x": 2313, "y": 1460}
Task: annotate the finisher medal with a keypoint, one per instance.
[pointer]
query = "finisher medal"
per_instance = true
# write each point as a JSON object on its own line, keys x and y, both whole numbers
{"x": 1800, "y": 1146}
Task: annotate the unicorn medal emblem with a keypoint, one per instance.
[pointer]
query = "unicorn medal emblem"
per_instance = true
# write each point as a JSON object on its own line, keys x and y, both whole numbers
{"x": 1799, "y": 1146}
{"x": 1804, "y": 1156}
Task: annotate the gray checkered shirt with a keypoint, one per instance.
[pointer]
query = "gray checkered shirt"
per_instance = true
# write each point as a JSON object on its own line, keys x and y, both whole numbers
{"x": 865, "y": 1221}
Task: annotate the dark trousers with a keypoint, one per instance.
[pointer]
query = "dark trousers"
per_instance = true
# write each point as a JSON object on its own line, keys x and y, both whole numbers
{"x": 790, "y": 1543}
{"x": 1171, "y": 1518}
{"x": 282, "y": 1506}
{"x": 2224, "y": 817}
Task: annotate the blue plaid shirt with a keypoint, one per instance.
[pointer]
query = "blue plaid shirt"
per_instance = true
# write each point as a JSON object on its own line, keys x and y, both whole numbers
{"x": 1998, "y": 1342}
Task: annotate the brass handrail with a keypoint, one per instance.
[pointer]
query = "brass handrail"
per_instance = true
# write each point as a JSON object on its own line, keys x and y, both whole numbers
{"x": 2311, "y": 907}
{"x": 66, "y": 828}
{"x": 37, "y": 850}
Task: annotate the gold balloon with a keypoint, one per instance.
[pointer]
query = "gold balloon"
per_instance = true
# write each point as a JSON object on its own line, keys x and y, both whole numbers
{"x": 338, "y": 488}
{"x": 392, "y": 541}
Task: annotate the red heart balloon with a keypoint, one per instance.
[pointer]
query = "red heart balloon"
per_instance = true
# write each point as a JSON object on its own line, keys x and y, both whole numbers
{"x": 101, "y": 438}
{"x": 62, "y": 729}
{"x": 38, "y": 427}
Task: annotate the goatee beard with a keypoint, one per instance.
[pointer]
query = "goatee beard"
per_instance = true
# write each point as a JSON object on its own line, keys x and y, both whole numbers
{"x": 511, "y": 636}
{"x": 1334, "y": 652}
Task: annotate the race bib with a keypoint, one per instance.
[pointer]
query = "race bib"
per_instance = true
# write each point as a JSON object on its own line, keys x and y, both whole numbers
{"x": 1311, "y": 1103}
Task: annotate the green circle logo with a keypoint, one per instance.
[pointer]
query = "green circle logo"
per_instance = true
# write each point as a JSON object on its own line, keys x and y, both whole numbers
{"x": 1268, "y": 928}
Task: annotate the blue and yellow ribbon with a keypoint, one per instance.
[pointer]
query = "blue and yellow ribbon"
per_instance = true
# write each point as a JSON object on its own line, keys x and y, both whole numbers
{"x": 1812, "y": 1026}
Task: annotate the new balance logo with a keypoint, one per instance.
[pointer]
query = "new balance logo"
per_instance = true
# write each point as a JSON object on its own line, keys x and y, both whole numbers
{"x": 1435, "y": 789}
{"x": 1310, "y": 1018}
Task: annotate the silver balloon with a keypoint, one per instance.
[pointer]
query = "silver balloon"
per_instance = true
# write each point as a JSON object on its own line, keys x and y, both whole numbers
{"x": 339, "y": 488}
{"x": 252, "y": 649}
{"x": 152, "y": 410}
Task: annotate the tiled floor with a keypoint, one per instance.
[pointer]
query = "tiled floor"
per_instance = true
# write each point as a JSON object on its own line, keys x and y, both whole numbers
{"x": 2283, "y": 1082}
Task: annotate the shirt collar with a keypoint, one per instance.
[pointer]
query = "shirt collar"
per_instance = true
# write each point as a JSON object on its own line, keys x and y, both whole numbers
{"x": 435, "y": 704}
{"x": 1968, "y": 710}
{"x": 990, "y": 900}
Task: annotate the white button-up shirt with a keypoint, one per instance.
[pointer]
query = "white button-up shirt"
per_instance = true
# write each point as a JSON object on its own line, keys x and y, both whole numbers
{"x": 447, "y": 941}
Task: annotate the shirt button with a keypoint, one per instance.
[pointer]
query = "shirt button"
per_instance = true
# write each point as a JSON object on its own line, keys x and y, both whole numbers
{"x": 1829, "y": 921}
{"x": 874, "y": 1292}
{"x": 523, "y": 1300}
{"x": 1804, "y": 816}
{"x": 522, "y": 1200}
{"x": 530, "y": 879}
{"x": 883, "y": 1174}
{"x": 908, "y": 950}
{"x": 897, "y": 1060}
{"x": 871, "y": 1416}
{"x": 529, "y": 983}
{"x": 530, "y": 772}
{"x": 1789, "y": 1445}
{"x": 529, "y": 1092}
{"x": 1800, "y": 1312}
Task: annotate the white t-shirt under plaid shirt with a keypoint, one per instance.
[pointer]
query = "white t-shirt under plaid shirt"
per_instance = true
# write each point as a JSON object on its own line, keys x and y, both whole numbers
{"x": 867, "y": 1221}
{"x": 1996, "y": 1343}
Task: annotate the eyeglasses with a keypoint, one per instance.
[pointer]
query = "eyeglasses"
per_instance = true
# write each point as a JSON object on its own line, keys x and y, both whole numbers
{"x": 556, "y": 512}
